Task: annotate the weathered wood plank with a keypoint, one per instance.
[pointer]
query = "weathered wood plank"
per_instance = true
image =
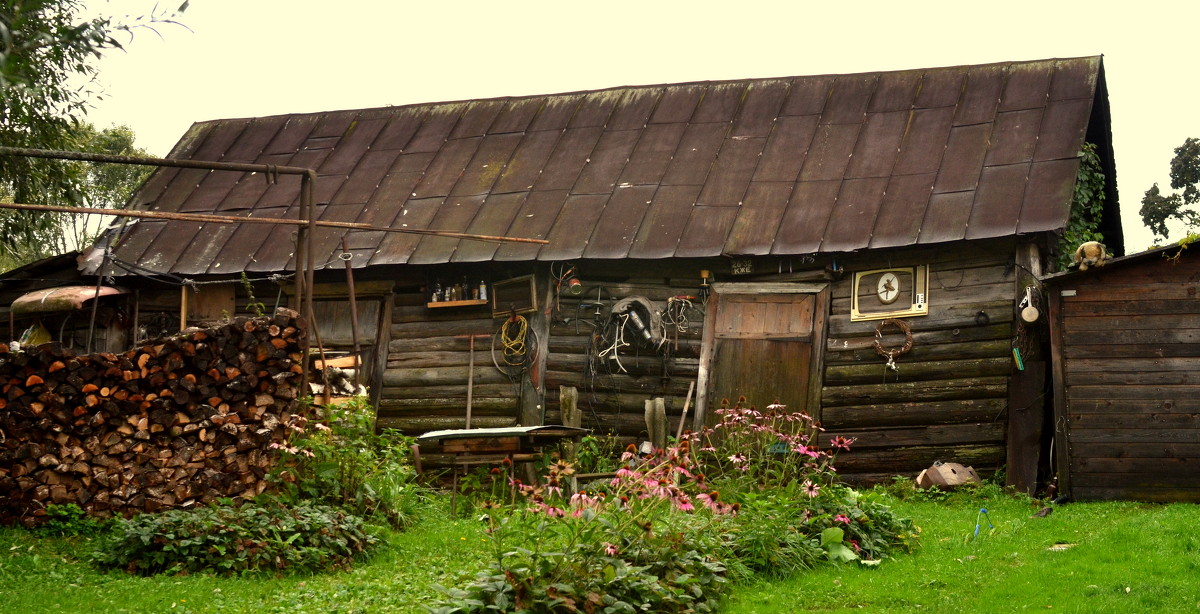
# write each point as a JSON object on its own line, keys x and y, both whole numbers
{"x": 1167, "y": 450}
{"x": 1136, "y": 493}
{"x": 911, "y": 460}
{"x": 1104, "y": 323}
{"x": 914, "y": 413}
{"x": 1150, "y": 307}
{"x": 417, "y": 425}
{"x": 841, "y": 375}
{"x": 1113, "y": 420}
{"x": 570, "y": 344}
{"x": 1133, "y": 392}
{"x": 1136, "y": 406}
{"x": 1126, "y": 291}
{"x": 440, "y": 376}
{"x": 988, "y": 348}
{"x": 452, "y": 391}
{"x": 949, "y": 279}
{"x": 645, "y": 364}
{"x": 1148, "y": 479}
{"x": 1131, "y": 435}
{"x": 899, "y": 392}
{"x": 1144, "y": 350}
{"x": 940, "y": 317}
{"x": 675, "y": 386}
{"x": 479, "y": 406}
{"x": 966, "y": 295}
{"x": 1120, "y": 336}
{"x": 438, "y": 344}
{"x": 932, "y": 435}
{"x": 1134, "y": 365}
{"x": 422, "y": 330}
{"x": 1134, "y": 465}
{"x": 1118, "y": 378}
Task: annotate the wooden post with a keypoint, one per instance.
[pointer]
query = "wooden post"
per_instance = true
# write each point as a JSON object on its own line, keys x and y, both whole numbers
{"x": 683, "y": 417}
{"x": 183, "y": 307}
{"x": 656, "y": 422}
{"x": 568, "y": 406}
{"x": 1026, "y": 388}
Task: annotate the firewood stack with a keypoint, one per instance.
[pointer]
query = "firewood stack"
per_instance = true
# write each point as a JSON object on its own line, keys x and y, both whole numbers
{"x": 176, "y": 422}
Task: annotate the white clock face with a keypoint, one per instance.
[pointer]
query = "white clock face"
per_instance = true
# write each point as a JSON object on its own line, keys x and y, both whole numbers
{"x": 888, "y": 288}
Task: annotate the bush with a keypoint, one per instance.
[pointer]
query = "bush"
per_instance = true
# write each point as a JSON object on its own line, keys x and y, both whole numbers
{"x": 341, "y": 460}
{"x": 69, "y": 520}
{"x": 754, "y": 495}
{"x": 226, "y": 539}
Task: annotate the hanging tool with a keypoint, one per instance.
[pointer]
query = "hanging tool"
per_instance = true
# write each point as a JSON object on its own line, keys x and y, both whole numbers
{"x": 471, "y": 373}
{"x": 683, "y": 417}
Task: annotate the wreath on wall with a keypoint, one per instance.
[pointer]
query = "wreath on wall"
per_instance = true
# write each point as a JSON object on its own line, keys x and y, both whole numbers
{"x": 891, "y": 353}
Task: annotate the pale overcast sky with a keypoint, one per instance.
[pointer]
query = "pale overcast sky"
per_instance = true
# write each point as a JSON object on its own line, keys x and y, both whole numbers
{"x": 249, "y": 58}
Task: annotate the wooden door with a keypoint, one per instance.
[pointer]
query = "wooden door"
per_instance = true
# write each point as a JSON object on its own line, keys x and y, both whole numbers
{"x": 762, "y": 350}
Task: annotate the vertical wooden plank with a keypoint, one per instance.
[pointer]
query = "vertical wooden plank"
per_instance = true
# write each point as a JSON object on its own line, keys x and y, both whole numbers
{"x": 817, "y": 365}
{"x": 707, "y": 353}
{"x": 382, "y": 338}
{"x": 533, "y": 385}
{"x": 1062, "y": 426}
{"x": 1026, "y": 405}
{"x": 568, "y": 407}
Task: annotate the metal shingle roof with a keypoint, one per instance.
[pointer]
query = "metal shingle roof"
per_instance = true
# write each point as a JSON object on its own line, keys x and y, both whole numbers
{"x": 759, "y": 166}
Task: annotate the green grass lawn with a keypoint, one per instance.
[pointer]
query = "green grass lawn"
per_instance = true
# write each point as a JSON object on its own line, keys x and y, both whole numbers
{"x": 1117, "y": 556}
{"x": 1124, "y": 557}
{"x": 51, "y": 575}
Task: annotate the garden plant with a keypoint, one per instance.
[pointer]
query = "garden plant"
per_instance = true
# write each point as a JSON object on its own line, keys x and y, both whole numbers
{"x": 753, "y": 496}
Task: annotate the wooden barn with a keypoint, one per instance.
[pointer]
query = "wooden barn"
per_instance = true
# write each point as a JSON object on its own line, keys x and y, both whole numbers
{"x": 1126, "y": 353}
{"x": 854, "y": 246}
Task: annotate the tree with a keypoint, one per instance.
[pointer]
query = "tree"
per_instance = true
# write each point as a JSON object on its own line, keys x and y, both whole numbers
{"x": 107, "y": 186}
{"x": 1158, "y": 209}
{"x": 46, "y": 48}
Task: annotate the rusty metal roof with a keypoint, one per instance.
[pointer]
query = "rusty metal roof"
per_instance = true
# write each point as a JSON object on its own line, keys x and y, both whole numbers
{"x": 798, "y": 165}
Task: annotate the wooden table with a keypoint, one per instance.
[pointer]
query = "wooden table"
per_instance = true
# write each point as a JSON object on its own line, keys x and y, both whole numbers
{"x": 492, "y": 446}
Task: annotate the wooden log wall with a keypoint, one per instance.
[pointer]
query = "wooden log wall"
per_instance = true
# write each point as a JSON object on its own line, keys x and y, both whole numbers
{"x": 175, "y": 423}
{"x": 612, "y": 400}
{"x": 428, "y": 368}
{"x": 947, "y": 400}
{"x": 1128, "y": 345}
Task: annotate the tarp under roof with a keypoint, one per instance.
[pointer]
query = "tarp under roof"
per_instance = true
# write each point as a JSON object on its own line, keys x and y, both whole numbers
{"x": 65, "y": 298}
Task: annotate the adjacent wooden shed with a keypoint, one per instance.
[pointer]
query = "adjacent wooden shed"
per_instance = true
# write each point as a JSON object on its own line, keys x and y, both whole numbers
{"x": 1126, "y": 353}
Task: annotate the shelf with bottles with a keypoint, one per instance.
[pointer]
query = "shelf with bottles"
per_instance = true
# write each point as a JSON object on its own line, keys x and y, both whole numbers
{"x": 464, "y": 294}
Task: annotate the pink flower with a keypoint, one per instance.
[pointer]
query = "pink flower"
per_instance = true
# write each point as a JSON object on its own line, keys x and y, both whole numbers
{"x": 842, "y": 518}
{"x": 841, "y": 443}
{"x": 684, "y": 504}
{"x": 610, "y": 549}
{"x": 737, "y": 458}
{"x": 810, "y": 489}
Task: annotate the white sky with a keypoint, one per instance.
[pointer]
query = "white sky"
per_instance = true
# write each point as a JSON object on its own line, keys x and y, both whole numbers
{"x": 249, "y": 58}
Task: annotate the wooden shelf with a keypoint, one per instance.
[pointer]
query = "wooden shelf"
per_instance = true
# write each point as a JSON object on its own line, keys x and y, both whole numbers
{"x": 466, "y": 303}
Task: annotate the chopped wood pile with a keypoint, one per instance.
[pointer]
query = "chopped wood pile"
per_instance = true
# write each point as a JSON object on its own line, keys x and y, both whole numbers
{"x": 173, "y": 423}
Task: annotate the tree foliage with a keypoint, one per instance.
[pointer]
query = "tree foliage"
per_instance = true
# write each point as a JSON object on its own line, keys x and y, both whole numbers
{"x": 1158, "y": 209}
{"x": 47, "y": 81}
{"x": 1087, "y": 206}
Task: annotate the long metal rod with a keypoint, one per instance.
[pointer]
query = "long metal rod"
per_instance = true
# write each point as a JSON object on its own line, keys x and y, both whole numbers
{"x": 353, "y": 319}
{"x": 146, "y": 161}
{"x": 233, "y": 219}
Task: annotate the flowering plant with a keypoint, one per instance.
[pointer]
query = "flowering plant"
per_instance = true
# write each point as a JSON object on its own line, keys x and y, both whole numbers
{"x": 768, "y": 447}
